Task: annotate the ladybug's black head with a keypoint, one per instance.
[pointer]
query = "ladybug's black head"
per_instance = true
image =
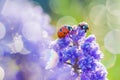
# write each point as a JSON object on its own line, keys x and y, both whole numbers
{"x": 69, "y": 28}
{"x": 84, "y": 26}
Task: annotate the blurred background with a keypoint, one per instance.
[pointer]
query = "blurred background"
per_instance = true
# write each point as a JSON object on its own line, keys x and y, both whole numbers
{"x": 103, "y": 17}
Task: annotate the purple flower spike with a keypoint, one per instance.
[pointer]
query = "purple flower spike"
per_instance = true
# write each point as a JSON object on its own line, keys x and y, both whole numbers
{"x": 90, "y": 38}
{"x": 63, "y": 42}
{"x": 81, "y": 54}
{"x": 87, "y": 64}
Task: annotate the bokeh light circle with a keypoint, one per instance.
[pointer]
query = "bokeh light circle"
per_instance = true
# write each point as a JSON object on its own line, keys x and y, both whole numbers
{"x": 32, "y": 31}
{"x": 65, "y": 20}
{"x": 109, "y": 58}
{"x": 113, "y": 16}
{"x": 112, "y": 41}
{"x": 98, "y": 14}
{"x": 2, "y": 30}
{"x": 98, "y": 18}
{"x": 2, "y": 73}
{"x": 113, "y": 7}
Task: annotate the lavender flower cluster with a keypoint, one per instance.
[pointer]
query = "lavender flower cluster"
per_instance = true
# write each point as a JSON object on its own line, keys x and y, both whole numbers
{"x": 82, "y": 54}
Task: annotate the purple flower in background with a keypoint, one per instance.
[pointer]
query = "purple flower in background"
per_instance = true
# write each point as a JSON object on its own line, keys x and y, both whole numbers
{"x": 25, "y": 33}
{"x": 81, "y": 53}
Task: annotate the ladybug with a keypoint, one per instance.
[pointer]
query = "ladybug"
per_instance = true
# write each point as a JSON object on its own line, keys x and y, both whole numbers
{"x": 63, "y": 31}
{"x": 84, "y": 26}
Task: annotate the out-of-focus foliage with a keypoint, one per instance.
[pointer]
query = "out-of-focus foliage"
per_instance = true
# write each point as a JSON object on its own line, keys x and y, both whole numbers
{"x": 103, "y": 17}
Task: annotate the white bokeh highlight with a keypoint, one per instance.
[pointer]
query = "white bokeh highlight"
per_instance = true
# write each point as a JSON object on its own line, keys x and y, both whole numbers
{"x": 2, "y": 73}
{"x": 2, "y": 30}
{"x": 97, "y": 14}
{"x": 32, "y": 31}
{"x": 112, "y": 41}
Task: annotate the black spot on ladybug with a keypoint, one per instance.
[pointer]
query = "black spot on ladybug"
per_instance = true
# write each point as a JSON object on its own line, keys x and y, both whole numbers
{"x": 60, "y": 29}
{"x": 64, "y": 32}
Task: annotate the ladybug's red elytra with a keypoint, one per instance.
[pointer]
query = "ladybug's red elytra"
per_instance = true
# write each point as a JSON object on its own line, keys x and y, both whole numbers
{"x": 63, "y": 31}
